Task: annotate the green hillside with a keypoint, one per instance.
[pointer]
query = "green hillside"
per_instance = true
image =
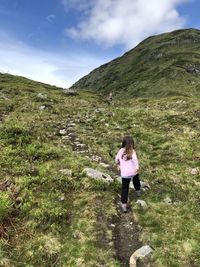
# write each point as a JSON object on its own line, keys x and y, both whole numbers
{"x": 52, "y": 214}
{"x": 162, "y": 65}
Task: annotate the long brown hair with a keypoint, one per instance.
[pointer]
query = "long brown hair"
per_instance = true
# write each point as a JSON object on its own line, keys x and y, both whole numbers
{"x": 129, "y": 146}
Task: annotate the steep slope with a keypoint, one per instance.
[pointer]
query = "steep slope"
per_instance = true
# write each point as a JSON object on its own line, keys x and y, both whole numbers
{"x": 162, "y": 65}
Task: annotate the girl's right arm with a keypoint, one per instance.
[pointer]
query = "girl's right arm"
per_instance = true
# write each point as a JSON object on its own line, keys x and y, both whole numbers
{"x": 135, "y": 160}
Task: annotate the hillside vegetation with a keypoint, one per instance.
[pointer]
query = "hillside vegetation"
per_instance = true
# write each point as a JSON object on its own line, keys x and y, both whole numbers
{"x": 52, "y": 214}
{"x": 162, "y": 65}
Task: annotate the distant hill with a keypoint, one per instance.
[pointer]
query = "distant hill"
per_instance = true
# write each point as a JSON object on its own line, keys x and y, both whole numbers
{"x": 18, "y": 82}
{"x": 163, "y": 65}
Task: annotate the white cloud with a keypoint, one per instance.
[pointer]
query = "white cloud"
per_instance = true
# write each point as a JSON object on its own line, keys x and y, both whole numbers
{"x": 126, "y": 22}
{"x": 51, "y": 17}
{"x": 57, "y": 69}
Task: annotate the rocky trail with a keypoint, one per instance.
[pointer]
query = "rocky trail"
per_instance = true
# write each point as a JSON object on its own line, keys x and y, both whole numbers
{"x": 126, "y": 237}
{"x": 125, "y": 229}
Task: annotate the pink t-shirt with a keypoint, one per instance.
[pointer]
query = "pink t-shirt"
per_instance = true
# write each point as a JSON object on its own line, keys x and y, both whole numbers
{"x": 127, "y": 167}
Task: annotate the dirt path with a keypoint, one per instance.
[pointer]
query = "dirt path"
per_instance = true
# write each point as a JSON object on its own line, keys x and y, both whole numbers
{"x": 126, "y": 237}
{"x": 126, "y": 231}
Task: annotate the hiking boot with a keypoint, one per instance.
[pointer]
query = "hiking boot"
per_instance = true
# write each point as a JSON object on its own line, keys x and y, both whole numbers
{"x": 138, "y": 193}
{"x": 124, "y": 208}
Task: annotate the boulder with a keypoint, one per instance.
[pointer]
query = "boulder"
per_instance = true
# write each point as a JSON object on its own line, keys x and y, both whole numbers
{"x": 95, "y": 174}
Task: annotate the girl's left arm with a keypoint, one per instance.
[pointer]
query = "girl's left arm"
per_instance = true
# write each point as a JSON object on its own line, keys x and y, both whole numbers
{"x": 117, "y": 157}
{"x": 117, "y": 160}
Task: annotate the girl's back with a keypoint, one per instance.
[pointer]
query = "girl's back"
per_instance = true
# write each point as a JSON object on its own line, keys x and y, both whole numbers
{"x": 128, "y": 167}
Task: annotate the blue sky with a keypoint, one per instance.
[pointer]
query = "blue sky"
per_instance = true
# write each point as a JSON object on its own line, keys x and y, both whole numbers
{"x": 60, "y": 41}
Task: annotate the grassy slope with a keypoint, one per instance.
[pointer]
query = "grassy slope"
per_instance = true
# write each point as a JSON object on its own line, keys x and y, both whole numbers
{"x": 47, "y": 230}
{"x": 156, "y": 67}
{"x": 63, "y": 220}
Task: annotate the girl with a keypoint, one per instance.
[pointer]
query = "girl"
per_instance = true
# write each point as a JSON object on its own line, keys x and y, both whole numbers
{"x": 127, "y": 161}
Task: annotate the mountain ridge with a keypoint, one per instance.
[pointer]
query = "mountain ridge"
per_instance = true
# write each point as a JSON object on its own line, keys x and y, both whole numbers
{"x": 161, "y": 65}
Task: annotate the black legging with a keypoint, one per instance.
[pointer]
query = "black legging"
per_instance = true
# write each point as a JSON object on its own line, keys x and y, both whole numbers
{"x": 125, "y": 187}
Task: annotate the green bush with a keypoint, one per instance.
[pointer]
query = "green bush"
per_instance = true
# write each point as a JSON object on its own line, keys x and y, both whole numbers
{"x": 14, "y": 134}
{"x": 42, "y": 152}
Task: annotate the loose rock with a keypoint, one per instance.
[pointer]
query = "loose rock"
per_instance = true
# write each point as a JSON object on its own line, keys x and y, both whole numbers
{"x": 141, "y": 253}
{"x": 63, "y": 132}
{"x": 42, "y": 107}
{"x": 98, "y": 175}
{"x": 168, "y": 200}
{"x": 195, "y": 171}
{"x": 142, "y": 204}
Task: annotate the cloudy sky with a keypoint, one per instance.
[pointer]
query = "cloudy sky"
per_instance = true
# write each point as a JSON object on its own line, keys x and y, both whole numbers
{"x": 60, "y": 41}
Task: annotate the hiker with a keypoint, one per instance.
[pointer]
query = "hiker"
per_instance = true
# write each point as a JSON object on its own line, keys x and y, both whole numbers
{"x": 128, "y": 165}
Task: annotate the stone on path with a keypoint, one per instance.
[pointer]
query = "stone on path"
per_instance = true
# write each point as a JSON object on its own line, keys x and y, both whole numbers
{"x": 95, "y": 174}
{"x": 141, "y": 253}
{"x": 142, "y": 204}
{"x": 63, "y": 132}
{"x": 144, "y": 186}
{"x": 71, "y": 124}
{"x": 65, "y": 137}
